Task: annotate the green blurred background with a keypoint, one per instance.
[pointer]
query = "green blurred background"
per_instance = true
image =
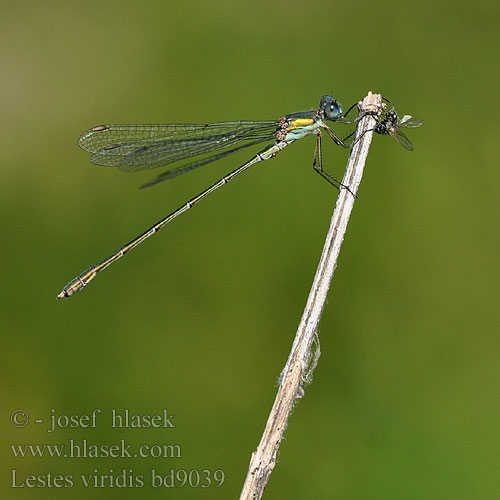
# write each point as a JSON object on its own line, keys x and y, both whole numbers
{"x": 200, "y": 319}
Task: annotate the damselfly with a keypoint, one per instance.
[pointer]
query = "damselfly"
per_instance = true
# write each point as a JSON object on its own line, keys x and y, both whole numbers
{"x": 140, "y": 147}
{"x": 391, "y": 125}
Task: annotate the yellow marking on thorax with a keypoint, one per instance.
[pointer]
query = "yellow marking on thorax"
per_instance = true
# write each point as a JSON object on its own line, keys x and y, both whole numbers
{"x": 300, "y": 122}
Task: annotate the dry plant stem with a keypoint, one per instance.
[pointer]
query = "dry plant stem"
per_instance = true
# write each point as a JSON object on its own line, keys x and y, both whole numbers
{"x": 302, "y": 360}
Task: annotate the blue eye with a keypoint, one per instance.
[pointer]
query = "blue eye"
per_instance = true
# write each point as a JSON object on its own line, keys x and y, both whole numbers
{"x": 331, "y": 108}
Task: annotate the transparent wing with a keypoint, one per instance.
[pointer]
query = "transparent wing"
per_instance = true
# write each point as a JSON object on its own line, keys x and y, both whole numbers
{"x": 181, "y": 169}
{"x": 141, "y": 147}
{"x": 410, "y": 122}
{"x": 403, "y": 140}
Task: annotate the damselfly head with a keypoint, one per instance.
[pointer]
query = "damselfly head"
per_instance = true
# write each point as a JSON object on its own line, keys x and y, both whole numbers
{"x": 330, "y": 107}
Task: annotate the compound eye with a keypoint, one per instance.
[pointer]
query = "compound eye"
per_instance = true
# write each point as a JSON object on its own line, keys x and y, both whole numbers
{"x": 332, "y": 110}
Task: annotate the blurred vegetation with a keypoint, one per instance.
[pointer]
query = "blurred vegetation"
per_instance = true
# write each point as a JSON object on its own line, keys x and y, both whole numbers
{"x": 199, "y": 320}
